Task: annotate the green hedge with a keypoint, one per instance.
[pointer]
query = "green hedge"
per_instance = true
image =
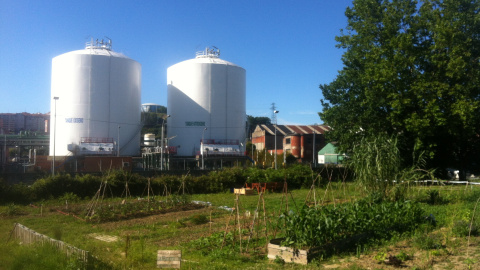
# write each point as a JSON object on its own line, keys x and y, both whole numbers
{"x": 83, "y": 186}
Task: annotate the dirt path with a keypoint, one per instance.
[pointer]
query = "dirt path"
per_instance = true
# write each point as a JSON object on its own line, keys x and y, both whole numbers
{"x": 452, "y": 255}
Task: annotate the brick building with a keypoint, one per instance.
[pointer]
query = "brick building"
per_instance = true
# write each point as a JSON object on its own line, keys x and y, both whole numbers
{"x": 303, "y": 142}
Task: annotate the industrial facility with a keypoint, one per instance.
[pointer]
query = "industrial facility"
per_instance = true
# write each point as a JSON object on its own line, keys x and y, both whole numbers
{"x": 96, "y": 117}
{"x": 96, "y": 111}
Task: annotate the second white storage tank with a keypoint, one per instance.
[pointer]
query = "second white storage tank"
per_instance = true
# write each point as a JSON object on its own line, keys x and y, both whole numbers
{"x": 206, "y": 92}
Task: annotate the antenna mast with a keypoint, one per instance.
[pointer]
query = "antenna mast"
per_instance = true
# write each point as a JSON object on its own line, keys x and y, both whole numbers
{"x": 274, "y": 115}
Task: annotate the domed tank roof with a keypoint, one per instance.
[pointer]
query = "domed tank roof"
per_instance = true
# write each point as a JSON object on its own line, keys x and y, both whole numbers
{"x": 208, "y": 56}
{"x": 98, "y": 47}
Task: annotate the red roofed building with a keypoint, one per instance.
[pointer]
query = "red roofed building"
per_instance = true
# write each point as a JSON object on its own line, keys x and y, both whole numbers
{"x": 291, "y": 139}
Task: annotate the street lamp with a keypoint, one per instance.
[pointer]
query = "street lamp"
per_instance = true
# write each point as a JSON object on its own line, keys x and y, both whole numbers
{"x": 201, "y": 149}
{"x": 54, "y": 135}
{"x": 162, "y": 141}
{"x": 275, "y": 140}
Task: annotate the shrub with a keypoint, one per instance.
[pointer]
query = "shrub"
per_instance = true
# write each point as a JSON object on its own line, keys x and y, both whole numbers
{"x": 69, "y": 197}
{"x": 84, "y": 186}
{"x": 299, "y": 176}
{"x": 18, "y": 193}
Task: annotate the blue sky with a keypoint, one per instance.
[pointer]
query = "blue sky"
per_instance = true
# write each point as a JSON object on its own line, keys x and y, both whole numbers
{"x": 287, "y": 47}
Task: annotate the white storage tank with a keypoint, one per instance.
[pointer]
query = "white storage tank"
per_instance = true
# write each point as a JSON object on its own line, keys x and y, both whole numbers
{"x": 95, "y": 102}
{"x": 206, "y": 92}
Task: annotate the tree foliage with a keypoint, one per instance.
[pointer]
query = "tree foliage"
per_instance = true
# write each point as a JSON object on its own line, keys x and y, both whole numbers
{"x": 411, "y": 70}
{"x": 253, "y": 121}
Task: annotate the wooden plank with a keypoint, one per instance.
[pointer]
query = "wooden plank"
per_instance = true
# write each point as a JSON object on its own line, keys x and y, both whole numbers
{"x": 287, "y": 254}
{"x": 244, "y": 191}
{"x": 169, "y": 258}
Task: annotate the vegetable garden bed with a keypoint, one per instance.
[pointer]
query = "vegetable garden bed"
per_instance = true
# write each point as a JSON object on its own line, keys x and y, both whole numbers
{"x": 115, "y": 211}
{"x": 312, "y": 231}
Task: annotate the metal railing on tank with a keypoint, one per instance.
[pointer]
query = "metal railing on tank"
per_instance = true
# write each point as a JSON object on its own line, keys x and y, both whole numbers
{"x": 225, "y": 142}
{"x": 213, "y": 52}
{"x": 96, "y": 140}
{"x": 99, "y": 44}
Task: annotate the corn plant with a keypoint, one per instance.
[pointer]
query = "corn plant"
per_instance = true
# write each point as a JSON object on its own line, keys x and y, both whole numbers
{"x": 314, "y": 227}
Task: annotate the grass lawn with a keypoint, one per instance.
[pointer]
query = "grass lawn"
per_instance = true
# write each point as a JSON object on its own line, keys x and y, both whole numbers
{"x": 200, "y": 233}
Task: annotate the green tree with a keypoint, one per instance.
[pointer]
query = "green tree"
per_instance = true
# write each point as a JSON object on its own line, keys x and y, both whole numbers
{"x": 253, "y": 121}
{"x": 410, "y": 70}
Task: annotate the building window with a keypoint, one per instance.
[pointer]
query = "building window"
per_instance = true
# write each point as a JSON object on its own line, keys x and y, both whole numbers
{"x": 287, "y": 141}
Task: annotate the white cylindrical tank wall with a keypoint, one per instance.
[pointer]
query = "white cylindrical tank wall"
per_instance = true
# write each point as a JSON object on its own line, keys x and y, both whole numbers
{"x": 98, "y": 101}
{"x": 205, "y": 92}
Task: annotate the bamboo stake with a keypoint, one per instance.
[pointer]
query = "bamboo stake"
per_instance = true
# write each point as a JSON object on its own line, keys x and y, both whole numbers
{"x": 239, "y": 227}
{"x": 226, "y": 229}
{"x": 253, "y": 222}
{"x": 471, "y": 223}
{"x": 210, "y": 230}
{"x": 265, "y": 222}
{"x": 13, "y": 230}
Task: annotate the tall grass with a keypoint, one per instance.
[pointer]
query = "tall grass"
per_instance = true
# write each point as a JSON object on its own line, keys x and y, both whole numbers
{"x": 38, "y": 256}
{"x": 378, "y": 167}
{"x": 376, "y": 162}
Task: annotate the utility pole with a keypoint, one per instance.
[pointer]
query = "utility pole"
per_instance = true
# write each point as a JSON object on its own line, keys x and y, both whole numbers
{"x": 275, "y": 113}
{"x": 162, "y": 142}
{"x": 201, "y": 150}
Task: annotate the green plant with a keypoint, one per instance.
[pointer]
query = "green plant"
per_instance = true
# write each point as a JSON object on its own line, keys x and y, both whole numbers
{"x": 380, "y": 257}
{"x": 12, "y": 210}
{"x": 403, "y": 256}
{"x": 177, "y": 224}
{"x": 464, "y": 228}
{"x": 57, "y": 233}
{"x": 427, "y": 241}
{"x": 314, "y": 227}
{"x": 41, "y": 256}
{"x": 470, "y": 262}
{"x": 376, "y": 162}
{"x": 279, "y": 260}
{"x": 434, "y": 197}
{"x": 199, "y": 219}
{"x": 353, "y": 267}
{"x": 69, "y": 197}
